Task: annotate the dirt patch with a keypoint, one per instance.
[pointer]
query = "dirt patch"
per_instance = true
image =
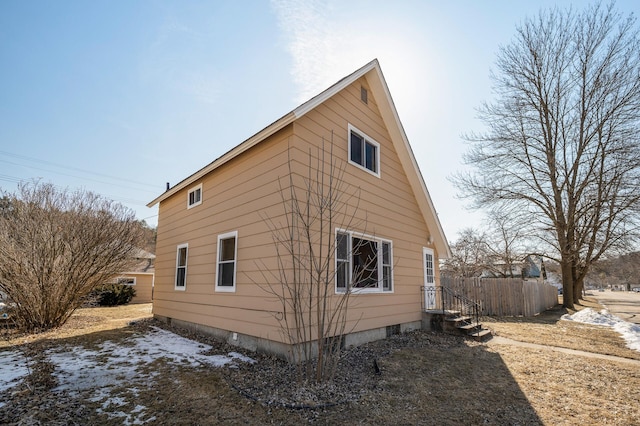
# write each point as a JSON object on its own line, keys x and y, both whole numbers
{"x": 424, "y": 378}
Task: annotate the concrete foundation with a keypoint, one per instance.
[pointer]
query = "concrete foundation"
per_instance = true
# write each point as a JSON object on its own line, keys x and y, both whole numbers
{"x": 285, "y": 351}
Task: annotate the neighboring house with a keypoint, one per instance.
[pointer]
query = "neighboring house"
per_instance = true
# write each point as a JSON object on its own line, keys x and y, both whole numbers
{"x": 531, "y": 267}
{"x": 141, "y": 276}
{"x": 215, "y": 247}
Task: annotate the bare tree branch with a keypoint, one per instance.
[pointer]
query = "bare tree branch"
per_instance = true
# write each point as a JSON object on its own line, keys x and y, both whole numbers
{"x": 564, "y": 135}
{"x": 57, "y": 246}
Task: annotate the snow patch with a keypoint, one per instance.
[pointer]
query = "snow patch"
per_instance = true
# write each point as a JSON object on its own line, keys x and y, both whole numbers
{"x": 115, "y": 373}
{"x": 110, "y": 364}
{"x": 13, "y": 368}
{"x": 630, "y": 332}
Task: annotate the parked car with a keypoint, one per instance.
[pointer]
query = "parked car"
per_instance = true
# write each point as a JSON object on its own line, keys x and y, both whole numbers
{"x": 637, "y": 289}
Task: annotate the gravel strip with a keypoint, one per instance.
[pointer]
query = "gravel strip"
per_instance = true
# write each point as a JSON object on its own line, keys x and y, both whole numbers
{"x": 274, "y": 382}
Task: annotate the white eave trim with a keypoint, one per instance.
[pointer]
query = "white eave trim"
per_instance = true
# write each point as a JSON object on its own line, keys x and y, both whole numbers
{"x": 134, "y": 273}
{"x": 249, "y": 143}
{"x": 416, "y": 180}
{"x": 268, "y": 131}
{"x": 393, "y": 123}
{"x": 337, "y": 87}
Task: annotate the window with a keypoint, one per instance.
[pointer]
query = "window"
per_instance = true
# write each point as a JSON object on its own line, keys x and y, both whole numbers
{"x": 363, "y": 263}
{"x": 127, "y": 280}
{"x": 364, "y": 151}
{"x": 226, "y": 265}
{"x": 195, "y": 197}
{"x": 181, "y": 267}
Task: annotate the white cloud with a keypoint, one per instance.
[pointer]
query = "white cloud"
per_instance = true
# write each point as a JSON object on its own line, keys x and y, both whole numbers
{"x": 329, "y": 39}
{"x": 311, "y": 39}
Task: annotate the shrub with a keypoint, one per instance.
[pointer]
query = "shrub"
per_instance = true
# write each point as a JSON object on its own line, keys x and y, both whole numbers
{"x": 56, "y": 246}
{"x": 115, "y": 294}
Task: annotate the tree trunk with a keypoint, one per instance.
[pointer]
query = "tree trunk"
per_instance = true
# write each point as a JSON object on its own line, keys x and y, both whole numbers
{"x": 578, "y": 286}
{"x": 567, "y": 283}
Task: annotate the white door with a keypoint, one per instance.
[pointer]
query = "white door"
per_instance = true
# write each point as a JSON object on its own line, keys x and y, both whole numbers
{"x": 429, "y": 278}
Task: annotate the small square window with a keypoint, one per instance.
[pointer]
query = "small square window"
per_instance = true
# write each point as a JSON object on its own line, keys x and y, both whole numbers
{"x": 364, "y": 151}
{"x": 194, "y": 197}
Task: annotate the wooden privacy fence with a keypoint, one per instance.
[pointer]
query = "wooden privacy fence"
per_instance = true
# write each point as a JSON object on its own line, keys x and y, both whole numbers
{"x": 505, "y": 296}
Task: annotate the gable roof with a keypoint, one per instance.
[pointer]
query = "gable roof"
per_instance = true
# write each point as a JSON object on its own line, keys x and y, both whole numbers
{"x": 378, "y": 86}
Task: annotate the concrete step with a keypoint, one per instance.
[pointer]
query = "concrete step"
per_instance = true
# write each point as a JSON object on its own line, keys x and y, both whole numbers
{"x": 464, "y": 326}
{"x": 470, "y": 328}
{"x": 481, "y": 336}
{"x": 451, "y": 323}
{"x": 457, "y": 319}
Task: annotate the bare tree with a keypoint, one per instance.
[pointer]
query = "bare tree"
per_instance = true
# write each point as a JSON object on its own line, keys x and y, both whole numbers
{"x": 56, "y": 246}
{"x": 563, "y": 135}
{"x": 314, "y": 307}
{"x": 468, "y": 255}
{"x": 508, "y": 242}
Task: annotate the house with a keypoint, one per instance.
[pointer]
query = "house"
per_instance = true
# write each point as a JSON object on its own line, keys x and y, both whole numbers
{"x": 140, "y": 276}
{"x": 531, "y": 267}
{"x": 215, "y": 245}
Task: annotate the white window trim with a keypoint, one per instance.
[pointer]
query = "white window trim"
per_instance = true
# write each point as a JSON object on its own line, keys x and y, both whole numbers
{"x": 192, "y": 190}
{"x": 227, "y": 289}
{"x": 372, "y": 141}
{"x": 427, "y": 283}
{"x": 127, "y": 278}
{"x": 380, "y": 287}
{"x": 186, "y": 263}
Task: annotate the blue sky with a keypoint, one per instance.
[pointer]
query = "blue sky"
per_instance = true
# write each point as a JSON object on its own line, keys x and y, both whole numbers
{"x": 120, "y": 97}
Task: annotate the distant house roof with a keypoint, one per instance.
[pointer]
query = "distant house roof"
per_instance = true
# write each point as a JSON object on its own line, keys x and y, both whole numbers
{"x": 143, "y": 254}
{"x": 373, "y": 73}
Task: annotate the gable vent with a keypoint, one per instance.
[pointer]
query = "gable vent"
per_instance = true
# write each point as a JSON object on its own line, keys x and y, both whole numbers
{"x": 363, "y": 94}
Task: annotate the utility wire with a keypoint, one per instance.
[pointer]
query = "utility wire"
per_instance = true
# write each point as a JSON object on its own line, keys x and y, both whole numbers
{"x": 13, "y": 179}
{"x": 79, "y": 177}
{"x": 77, "y": 169}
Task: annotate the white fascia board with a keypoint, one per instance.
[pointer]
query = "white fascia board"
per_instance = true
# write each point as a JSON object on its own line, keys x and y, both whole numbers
{"x": 239, "y": 149}
{"x": 120, "y": 274}
{"x": 269, "y": 130}
{"x": 408, "y": 160}
{"x": 393, "y": 124}
{"x": 337, "y": 87}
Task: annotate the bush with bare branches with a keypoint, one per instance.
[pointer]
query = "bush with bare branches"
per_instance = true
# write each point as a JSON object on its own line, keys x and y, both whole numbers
{"x": 314, "y": 314}
{"x": 56, "y": 246}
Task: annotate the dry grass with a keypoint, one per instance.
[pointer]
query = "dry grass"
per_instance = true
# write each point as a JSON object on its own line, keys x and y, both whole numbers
{"x": 568, "y": 389}
{"x": 425, "y": 379}
{"x": 548, "y": 329}
{"x": 463, "y": 385}
{"x": 84, "y": 321}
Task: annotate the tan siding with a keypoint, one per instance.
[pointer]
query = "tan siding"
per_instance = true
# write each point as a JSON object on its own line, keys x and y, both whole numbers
{"x": 387, "y": 204}
{"x": 243, "y": 193}
{"x": 236, "y": 197}
{"x": 143, "y": 286}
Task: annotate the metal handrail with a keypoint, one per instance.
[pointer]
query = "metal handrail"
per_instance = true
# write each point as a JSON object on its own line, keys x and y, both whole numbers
{"x": 446, "y": 300}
